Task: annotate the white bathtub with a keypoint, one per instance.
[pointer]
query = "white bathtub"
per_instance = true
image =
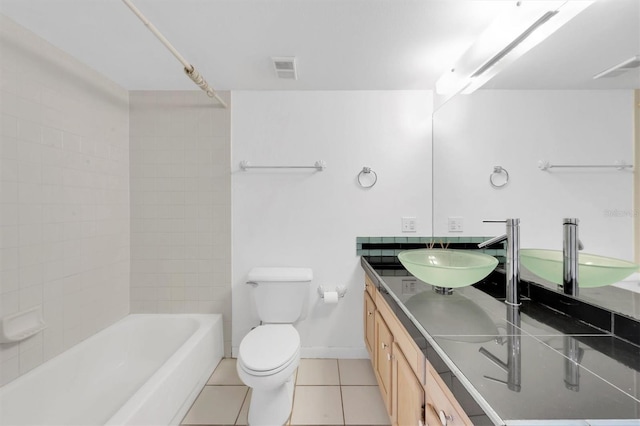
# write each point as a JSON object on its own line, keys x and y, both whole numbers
{"x": 142, "y": 370}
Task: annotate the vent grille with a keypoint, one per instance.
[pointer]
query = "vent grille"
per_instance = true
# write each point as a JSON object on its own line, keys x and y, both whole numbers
{"x": 285, "y": 68}
{"x": 620, "y": 69}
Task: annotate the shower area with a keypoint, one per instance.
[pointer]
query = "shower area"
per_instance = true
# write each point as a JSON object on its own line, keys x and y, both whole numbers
{"x": 112, "y": 202}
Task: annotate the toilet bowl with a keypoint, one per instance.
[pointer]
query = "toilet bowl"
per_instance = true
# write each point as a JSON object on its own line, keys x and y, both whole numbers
{"x": 270, "y": 353}
{"x": 267, "y": 359}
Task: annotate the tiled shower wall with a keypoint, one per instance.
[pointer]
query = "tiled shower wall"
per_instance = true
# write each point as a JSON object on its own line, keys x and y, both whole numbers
{"x": 64, "y": 205}
{"x": 180, "y": 205}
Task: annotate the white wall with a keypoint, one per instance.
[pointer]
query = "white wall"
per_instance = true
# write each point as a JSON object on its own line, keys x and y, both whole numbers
{"x": 64, "y": 197}
{"x": 312, "y": 219}
{"x": 180, "y": 205}
{"x": 516, "y": 129}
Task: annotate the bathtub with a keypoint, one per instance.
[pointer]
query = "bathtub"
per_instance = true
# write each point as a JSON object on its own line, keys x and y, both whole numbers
{"x": 142, "y": 370}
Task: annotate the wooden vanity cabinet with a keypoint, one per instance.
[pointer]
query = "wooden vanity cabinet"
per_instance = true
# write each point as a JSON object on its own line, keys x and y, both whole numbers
{"x": 413, "y": 392}
{"x": 396, "y": 371}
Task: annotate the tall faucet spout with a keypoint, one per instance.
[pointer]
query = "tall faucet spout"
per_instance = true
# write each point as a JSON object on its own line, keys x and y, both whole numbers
{"x": 494, "y": 240}
{"x": 512, "y": 237}
{"x": 570, "y": 246}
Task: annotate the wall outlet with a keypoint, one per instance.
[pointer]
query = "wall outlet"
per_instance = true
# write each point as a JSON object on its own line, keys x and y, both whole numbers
{"x": 456, "y": 224}
{"x": 409, "y": 287}
{"x": 409, "y": 224}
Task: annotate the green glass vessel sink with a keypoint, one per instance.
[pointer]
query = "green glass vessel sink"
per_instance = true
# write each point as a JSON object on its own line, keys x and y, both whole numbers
{"x": 593, "y": 270}
{"x": 447, "y": 268}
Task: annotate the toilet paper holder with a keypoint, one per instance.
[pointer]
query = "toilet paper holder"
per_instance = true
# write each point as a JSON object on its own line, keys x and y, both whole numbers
{"x": 341, "y": 290}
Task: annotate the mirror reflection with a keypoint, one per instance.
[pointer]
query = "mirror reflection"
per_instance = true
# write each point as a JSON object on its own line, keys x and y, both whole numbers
{"x": 493, "y": 148}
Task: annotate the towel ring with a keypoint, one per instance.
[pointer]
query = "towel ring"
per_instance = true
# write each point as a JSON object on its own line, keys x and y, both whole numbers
{"x": 367, "y": 171}
{"x": 499, "y": 170}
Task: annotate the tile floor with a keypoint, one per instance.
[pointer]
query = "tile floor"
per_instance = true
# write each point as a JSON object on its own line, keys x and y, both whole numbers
{"x": 327, "y": 392}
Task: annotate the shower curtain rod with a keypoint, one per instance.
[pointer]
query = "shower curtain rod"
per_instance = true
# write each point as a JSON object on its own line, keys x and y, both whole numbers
{"x": 191, "y": 72}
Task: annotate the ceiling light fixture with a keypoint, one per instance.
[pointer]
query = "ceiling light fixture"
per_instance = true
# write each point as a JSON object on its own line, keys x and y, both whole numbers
{"x": 510, "y": 35}
{"x": 621, "y": 68}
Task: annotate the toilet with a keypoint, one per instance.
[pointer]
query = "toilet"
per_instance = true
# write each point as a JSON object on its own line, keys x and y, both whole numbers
{"x": 270, "y": 353}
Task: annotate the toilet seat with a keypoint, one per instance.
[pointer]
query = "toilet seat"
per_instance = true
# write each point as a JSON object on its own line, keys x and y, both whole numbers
{"x": 269, "y": 349}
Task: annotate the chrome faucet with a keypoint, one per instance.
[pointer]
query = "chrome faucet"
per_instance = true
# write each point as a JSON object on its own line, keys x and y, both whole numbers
{"x": 512, "y": 237}
{"x": 513, "y": 366}
{"x": 573, "y": 357}
{"x": 570, "y": 246}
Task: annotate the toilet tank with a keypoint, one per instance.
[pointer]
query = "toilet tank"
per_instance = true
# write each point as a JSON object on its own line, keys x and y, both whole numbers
{"x": 280, "y": 293}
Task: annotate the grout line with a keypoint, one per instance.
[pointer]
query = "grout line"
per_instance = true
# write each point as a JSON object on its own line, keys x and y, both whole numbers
{"x": 246, "y": 395}
{"x": 344, "y": 419}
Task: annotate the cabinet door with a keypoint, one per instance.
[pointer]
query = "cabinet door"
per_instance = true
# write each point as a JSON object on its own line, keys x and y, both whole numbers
{"x": 383, "y": 365}
{"x": 442, "y": 407}
{"x": 369, "y": 324}
{"x": 408, "y": 394}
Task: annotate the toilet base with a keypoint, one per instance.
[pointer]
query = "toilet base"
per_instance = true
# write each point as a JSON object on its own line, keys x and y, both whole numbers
{"x": 271, "y": 407}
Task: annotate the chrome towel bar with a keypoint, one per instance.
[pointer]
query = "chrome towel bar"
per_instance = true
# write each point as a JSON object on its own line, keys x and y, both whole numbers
{"x": 546, "y": 165}
{"x": 319, "y": 166}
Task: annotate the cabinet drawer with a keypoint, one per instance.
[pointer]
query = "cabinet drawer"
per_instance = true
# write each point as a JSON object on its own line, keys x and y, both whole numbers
{"x": 415, "y": 357}
{"x": 442, "y": 407}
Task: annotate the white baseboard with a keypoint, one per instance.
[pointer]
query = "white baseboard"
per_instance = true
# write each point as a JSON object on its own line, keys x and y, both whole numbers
{"x": 320, "y": 352}
{"x": 334, "y": 352}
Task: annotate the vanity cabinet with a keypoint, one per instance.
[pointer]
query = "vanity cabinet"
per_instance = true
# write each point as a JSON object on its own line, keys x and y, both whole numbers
{"x": 395, "y": 370}
{"x": 412, "y": 390}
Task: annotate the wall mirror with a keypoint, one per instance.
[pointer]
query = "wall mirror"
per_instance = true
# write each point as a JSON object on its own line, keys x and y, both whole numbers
{"x": 547, "y": 107}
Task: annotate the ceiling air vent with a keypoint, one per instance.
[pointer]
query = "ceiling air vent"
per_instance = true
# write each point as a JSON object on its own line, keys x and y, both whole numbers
{"x": 621, "y": 68}
{"x": 285, "y": 67}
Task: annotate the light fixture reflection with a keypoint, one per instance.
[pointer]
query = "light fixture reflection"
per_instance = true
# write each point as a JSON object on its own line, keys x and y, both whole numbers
{"x": 508, "y": 37}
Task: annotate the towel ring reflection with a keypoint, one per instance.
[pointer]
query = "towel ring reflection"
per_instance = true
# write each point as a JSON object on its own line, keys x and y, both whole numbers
{"x": 497, "y": 171}
{"x": 367, "y": 171}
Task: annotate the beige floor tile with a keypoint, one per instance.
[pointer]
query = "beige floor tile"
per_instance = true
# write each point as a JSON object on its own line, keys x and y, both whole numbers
{"x": 225, "y": 373}
{"x": 216, "y": 405}
{"x": 243, "y": 417}
{"x": 317, "y": 405}
{"x": 356, "y": 372}
{"x": 315, "y": 372}
{"x": 363, "y": 405}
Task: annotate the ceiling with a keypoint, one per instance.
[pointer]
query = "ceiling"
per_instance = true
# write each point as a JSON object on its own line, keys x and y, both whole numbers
{"x": 339, "y": 44}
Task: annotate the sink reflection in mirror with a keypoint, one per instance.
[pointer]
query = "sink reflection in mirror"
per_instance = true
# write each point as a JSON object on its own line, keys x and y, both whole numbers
{"x": 593, "y": 270}
{"x": 430, "y": 307}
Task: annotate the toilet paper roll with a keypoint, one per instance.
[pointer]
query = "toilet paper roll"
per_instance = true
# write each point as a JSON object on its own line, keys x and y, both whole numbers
{"x": 330, "y": 297}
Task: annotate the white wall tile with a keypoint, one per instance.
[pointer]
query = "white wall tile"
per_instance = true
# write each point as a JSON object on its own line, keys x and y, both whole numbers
{"x": 55, "y": 252}
{"x": 172, "y": 190}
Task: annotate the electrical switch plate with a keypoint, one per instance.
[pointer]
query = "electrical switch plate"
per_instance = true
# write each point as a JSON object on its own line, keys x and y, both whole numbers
{"x": 456, "y": 224}
{"x": 409, "y": 224}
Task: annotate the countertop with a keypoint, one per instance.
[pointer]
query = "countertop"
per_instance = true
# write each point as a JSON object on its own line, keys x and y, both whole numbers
{"x": 522, "y": 366}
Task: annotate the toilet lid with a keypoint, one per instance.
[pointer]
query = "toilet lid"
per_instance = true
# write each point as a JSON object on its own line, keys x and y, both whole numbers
{"x": 268, "y": 347}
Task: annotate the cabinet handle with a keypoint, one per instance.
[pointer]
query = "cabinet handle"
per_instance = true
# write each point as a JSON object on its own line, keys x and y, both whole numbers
{"x": 388, "y": 356}
{"x": 384, "y": 345}
{"x": 369, "y": 313}
{"x": 442, "y": 416}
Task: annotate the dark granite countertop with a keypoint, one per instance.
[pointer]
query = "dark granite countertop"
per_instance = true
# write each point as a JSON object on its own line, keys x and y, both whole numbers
{"x": 516, "y": 366}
